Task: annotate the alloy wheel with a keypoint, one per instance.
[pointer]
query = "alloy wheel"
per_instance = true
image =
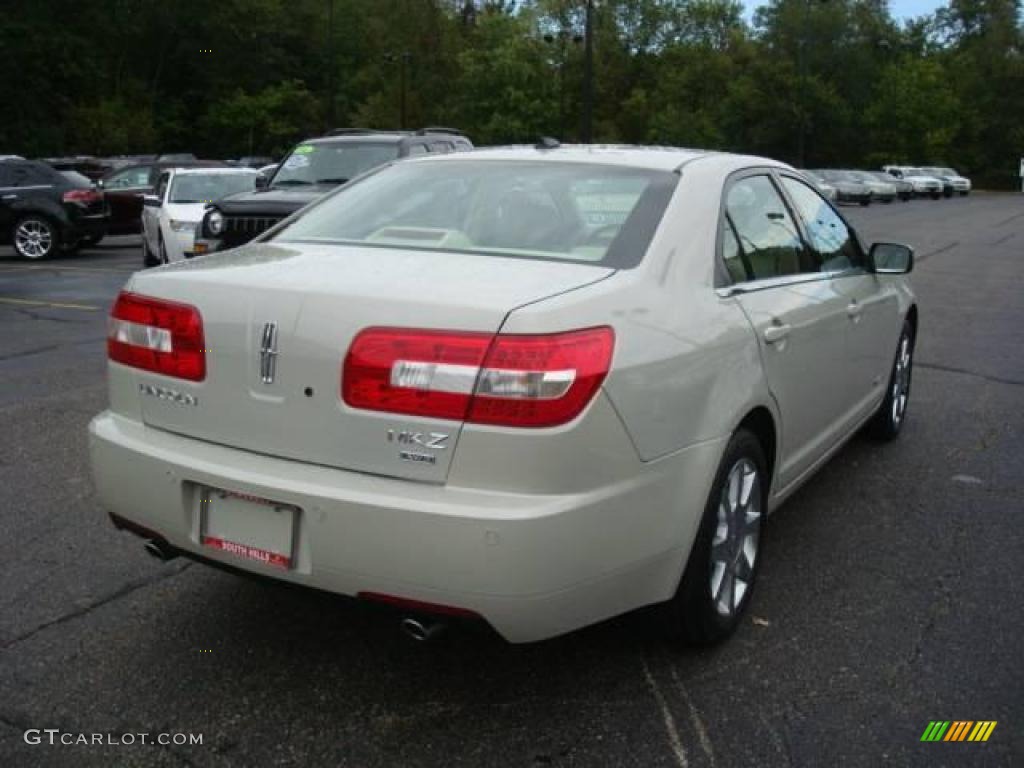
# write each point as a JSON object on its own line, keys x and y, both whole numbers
{"x": 737, "y": 537}
{"x": 901, "y": 381}
{"x": 33, "y": 238}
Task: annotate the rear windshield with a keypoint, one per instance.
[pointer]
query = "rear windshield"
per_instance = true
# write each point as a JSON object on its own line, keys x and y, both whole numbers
{"x": 540, "y": 210}
{"x": 332, "y": 163}
{"x": 209, "y": 187}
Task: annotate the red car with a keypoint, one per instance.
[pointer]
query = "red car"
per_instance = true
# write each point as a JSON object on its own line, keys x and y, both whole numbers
{"x": 126, "y": 186}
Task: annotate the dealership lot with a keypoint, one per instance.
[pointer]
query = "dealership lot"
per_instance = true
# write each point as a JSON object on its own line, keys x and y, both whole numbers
{"x": 890, "y": 593}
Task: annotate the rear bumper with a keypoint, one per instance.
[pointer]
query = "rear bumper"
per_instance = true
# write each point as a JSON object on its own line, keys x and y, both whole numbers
{"x": 532, "y": 565}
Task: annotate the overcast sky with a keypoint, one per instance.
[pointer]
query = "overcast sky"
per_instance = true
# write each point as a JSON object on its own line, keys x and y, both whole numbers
{"x": 900, "y": 8}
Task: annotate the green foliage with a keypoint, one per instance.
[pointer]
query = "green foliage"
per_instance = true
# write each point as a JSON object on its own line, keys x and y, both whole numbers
{"x": 254, "y": 76}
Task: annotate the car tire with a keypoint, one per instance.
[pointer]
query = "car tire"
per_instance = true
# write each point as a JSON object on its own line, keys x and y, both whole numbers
{"x": 888, "y": 421}
{"x": 865, "y": 203}
{"x": 148, "y": 259}
{"x": 706, "y": 608}
{"x": 936, "y": 195}
{"x": 35, "y": 238}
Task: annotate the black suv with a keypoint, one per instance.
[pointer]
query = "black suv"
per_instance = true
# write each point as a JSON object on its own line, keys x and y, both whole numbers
{"x": 43, "y": 210}
{"x": 313, "y": 168}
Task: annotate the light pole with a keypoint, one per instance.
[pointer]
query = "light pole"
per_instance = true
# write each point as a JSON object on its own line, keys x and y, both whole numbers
{"x": 587, "y": 130}
{"x": 801, "y": 79}
{"x": 403, "y": 58}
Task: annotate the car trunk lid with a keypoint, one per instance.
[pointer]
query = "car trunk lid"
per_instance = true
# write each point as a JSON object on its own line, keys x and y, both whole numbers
{"x": 278, "y": 322}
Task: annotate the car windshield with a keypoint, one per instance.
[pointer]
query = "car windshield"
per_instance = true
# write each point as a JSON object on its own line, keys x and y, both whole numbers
{"x": 913, "y": 172}
{"x": 332, "y": 162}
{"x": 209, "y": 187}
{"x": 543, "y": 210}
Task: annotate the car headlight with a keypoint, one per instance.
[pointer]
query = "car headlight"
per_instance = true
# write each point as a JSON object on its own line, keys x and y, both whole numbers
{"x": 215, "y": 223}
{"x": 183, "y": 226}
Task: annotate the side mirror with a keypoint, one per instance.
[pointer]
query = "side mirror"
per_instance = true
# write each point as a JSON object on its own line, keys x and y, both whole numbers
{"x": 262, "y": 181}
{"x": 151, "y": 201}
{"x": 891, "y": 258}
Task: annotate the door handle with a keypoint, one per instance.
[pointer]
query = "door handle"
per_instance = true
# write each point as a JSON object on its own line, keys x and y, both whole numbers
{"x": 853, "y": 309}
{"x": 776, "y": 333}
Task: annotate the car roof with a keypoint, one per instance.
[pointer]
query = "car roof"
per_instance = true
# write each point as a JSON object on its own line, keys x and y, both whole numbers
{"x": 193, "y": 169}
{"x": 360, "y": 138}
{"x": 628, "y": 156}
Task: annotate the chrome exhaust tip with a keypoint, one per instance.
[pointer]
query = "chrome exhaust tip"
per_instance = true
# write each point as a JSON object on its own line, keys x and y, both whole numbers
{"x": 421, "y": 632}
{"x": 160, "y": 550}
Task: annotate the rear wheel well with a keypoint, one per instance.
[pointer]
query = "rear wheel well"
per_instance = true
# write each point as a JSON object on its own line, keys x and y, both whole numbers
{"x": 760, "y": 422}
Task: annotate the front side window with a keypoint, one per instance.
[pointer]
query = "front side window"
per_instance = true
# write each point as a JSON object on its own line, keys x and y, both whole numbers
{"x": 161, "y": 185}
{"x": 767, "y": 235}
{"x": 332, "y": 162}
{"x": 828, "y": 233}
{"x": 544, "y": 210}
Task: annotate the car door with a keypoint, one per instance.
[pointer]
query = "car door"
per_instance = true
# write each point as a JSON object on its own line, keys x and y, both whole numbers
{"x": 151, "y": 215}
{"x": 7, "y": 197}
{"x": 124, "y": 190}
{"x": 872, "y": 306}
{"x": 798, "y": 316}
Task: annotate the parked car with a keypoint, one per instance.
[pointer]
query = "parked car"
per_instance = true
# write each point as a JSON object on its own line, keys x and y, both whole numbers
{"x": 881, "y": 191}
{"x": 126, "y": 187}
{"x": 92, "y": 168}
{"x": 848, "y": 189}
{"x": 44, "y": 211}
{"x": 537, "y": 387}
{"x": 826, "y": 189}
{"x": 924, "y": 184}
{"x": 311, "y": 169}
{"x": 253, "y": 161}
{"x": 177, "y": 157}
{"x": 904, "y": 189}
{"x": 171, "y": 215}
{"x": 955, "y": 183}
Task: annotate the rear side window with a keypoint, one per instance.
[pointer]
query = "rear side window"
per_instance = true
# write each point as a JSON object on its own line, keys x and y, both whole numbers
{"x": 77, "y": 179}
{"x": 769, "y": 240}
{"x": 828, "y": 233}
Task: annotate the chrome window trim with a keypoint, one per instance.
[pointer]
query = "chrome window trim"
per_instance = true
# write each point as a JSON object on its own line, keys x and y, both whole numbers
{"x": 782, "y": 281}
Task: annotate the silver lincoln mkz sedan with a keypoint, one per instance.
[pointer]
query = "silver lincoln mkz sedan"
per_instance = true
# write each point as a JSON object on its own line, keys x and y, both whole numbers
{"x": 537, "y": 386}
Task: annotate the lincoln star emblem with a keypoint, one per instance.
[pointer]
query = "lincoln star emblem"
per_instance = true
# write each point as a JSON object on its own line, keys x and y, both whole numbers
{"x": 268, "y": 353}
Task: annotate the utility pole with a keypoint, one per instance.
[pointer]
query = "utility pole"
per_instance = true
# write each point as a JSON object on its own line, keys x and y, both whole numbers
{"x": 587, "y": 130}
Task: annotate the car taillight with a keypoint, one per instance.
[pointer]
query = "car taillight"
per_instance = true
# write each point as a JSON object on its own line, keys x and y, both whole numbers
{"x": 157, "y": 335}
{"x": 509, "y": 380}
{"x": 82, "y": 196}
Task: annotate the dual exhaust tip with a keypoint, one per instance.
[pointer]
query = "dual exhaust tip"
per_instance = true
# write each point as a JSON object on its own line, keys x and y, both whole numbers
{"x": 421, "y": 631}
{"x": 160, "y": 549}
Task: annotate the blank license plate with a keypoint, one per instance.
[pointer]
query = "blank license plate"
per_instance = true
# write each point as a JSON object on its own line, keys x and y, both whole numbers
{"x": 248, "y": 526}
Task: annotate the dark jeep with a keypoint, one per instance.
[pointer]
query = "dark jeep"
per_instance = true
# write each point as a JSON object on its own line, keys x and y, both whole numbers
{"x": 313, "y": 168}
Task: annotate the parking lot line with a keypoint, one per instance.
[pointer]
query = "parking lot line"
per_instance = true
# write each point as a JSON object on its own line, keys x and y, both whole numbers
{"x": 51, "y": 304}
{"x": 49, "y": 267}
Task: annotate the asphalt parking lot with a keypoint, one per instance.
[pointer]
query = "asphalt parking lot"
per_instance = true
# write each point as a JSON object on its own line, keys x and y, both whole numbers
{"x": 891, "y": 593}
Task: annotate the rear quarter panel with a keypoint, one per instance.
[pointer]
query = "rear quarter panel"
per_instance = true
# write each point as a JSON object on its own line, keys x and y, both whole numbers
{"x": 686, "y": 367}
